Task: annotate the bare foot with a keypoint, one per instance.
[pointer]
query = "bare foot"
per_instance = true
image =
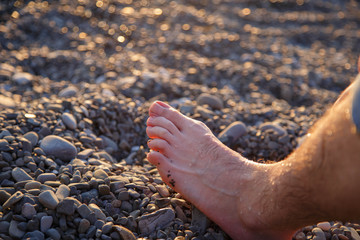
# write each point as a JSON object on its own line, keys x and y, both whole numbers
{"x": 228, "y": 188}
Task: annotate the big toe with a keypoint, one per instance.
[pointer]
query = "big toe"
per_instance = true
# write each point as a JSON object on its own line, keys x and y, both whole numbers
{"x": 159, "y": 108}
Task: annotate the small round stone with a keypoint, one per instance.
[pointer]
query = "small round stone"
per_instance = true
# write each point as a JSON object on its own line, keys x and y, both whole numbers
{"x": 33, "y": 137}
{"x": 69, "y": 120}
{"x": 45, "y": 223}
{"x": 83, "y": 225}
{"x": 28, "y": 210}
{"x": 325, "y": 226}
{"x": 48, "y": 199}
{"x": 20, "y": 175}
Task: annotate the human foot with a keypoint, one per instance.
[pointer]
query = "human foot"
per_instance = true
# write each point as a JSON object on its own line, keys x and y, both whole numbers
{"x": 217, "y": 180}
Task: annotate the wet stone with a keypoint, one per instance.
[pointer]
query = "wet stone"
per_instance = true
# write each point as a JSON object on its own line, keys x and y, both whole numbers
{"x": 58, "y": 147}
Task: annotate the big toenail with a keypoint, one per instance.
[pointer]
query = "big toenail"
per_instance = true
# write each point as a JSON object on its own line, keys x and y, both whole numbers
{"x": 162, "y": 104}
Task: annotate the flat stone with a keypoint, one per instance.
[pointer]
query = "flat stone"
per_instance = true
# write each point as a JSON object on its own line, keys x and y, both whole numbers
{"x": 13, "y": 199}
{"x": 213, "y": 101}
{"x": 106, "y": 228}
{"x": 28, "y": 210}
{"x": 158, "y": 219}
{"x": 45, "y": 223}
{"x": 85, "y": 153}
{"x": 46, "y": 177}
{"x": 99, "y": 214}
{"x": 20, "y": 175}
{"x": 104, "y": 189}
{"x": 163, "y": 191}
{"x": 100, "y": 174}
{"x": 84, "y": 210}
{"x": 58, "y": 147}
{"x": 354, "y": 234}
{"x": 233, "y": 132}
{"x": 48, "y": 199}
{"x": 14, "y": 231}
{"x": 62, "y": 192}
{"x": 69, "y": 120}
{"x": 68, "y": 92}
{"x": 199, "y": 220}
{"x": 32, "y": 185}
{"x": 33, "y": 137}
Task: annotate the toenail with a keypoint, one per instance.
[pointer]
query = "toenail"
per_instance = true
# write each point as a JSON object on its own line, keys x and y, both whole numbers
{"x": 162, "y": 104}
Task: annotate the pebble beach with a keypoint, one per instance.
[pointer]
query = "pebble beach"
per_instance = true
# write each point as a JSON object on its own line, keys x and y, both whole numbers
{"x": 77, "y": 79}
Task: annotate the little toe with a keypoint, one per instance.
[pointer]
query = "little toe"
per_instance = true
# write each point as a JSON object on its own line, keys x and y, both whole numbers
{"x": 159, "y": 132}
{"x": 159, "y": 108}
{"x": 164, "y": 123}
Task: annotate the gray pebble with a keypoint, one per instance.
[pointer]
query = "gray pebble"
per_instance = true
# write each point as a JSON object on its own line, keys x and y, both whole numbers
{"x": 125, "y": 233}
{"x": 199, "y": 220}
{"x": 98, "y": 213}
{"x": 274, "y": 126}
{"x": 99, "y": 224}
{"x": 46, "y": 177}
{"x": 107, "y": 227}
{"x": 13, "y": 199}
{"x": 83, "y": 226}
{"x": 319, "y": 234}
{"x": 53, "y": 233}
{"x": 232, "y": 132}
{"x": 14, "y": 231}
{"x": 28, "y": 210}
{"x": 45, "y": 223}
{"x": 84, "y": 210}
{"x": 100, "y": 174}
{"x": 4, "y": 226}
{"x": 6, "y": 102}
{"x": 34, "y": 235}
{"x": 4, "y": 196}
{"x": 213, "y": 101}
{"x": 68, "y": 92}
{"x": 58, "y": 147}
{"x": 69, "y": 120}
{"x": 148, "y": 223}
{"x": 68, "y": 206}
{"x": 62, "y": 192}
{"x": 20, "y": 175}
{"x": 33, "y": 137}
{"x": 85, "y": 153}
{"x": 48, "y": 199}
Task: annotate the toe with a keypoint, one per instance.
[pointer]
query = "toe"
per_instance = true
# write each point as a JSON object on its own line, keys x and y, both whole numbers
{"x": 156, "y": 158}
{"x": 162, "y": 109}
{"x": 159, "y": 132}
{"x": 164, "y": 123}
{"x": 159, "y": 145}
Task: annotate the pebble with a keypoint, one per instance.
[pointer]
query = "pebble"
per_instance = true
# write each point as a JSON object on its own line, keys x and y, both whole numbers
{"x": 6, "y": 102}
{"x": 20, "y": 175}
{"x": 213, "y": 101}
{"x": 68, "y": 206}
{"x": 53, "y": 233}
{"x": 69, "y": 120}
{"x": 46, "y": 177}
{"x": 148, "y": 223}
{"x": 48, "y": 199}
{"x": 58, "y": 147}
{"x": 125, "y": 233}
{"x": 84, "y": 210}
{"x": 319, "y": 234}
{"x": 163, "y": 191}
{"x": 14, "y": 231}
{"x": 4, "y": 226}
{"x": 62, "y": 192}
{"x": 106, "y": 228}
{"x": 22, "y": 78}
{"x": 199, "y": 220}
{"x": 28, "y": 210}
{"x": 4, "y": 196}
{"x": 233, "y": 132}
{"x": 13, "y": 199}
{"x": 45, "y": 223}
{"x": 98, "y": 213}
{"x": 33, "y": 137}
{"x": 354, "y": 234}
{"x": 274, "y": 126}
{"x": 325, "y": 226}
{"x": 34, "y": 235}
{"x": 83, "y": 226}
{"x": 68, "y": 92}
{"x": 100, "y": 174}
